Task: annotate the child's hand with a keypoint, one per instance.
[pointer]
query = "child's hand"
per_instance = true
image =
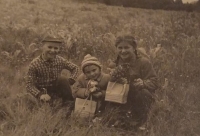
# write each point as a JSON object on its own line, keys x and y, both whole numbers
{"x": 92, "y": 86}
{"x": 71, "y": 81}
{"x": 138, "y": 83}
{"x": 92, "y": 83}
{"x": 111, "y": 64}
{"x": 97, "y": 95}
{"x": 87, "y": 93}
{"x": 93, "y": 89}
{"x": 110, "y": 70}
{"x": 45, "y": 97}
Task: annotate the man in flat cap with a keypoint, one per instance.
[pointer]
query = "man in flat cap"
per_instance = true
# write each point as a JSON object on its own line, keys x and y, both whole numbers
{"x": 44, "y": 80}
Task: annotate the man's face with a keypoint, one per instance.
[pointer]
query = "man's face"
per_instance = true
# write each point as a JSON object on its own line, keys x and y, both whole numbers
{"x": 92, "y": 72}
{"x": 50, "y": 50}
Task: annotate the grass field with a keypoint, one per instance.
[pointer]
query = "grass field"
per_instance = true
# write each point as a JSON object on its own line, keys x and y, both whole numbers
{"x": 92, "y": 28}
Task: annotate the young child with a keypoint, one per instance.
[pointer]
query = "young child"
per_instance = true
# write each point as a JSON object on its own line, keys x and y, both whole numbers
{"x": 44, "y": 80}
{"x": 93, "y": 81}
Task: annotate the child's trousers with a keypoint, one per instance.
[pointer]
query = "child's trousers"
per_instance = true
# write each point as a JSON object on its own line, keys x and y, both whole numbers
{"x": 60, "y": 89}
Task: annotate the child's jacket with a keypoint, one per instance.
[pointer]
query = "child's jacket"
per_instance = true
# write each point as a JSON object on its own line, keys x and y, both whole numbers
{"x": 82, "y": 83}
{"x": 140, "y": 68}
{"x": 42, "y": 74}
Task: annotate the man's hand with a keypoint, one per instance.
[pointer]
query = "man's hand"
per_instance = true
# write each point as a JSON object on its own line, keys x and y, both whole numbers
{"x": 45, "y": 97}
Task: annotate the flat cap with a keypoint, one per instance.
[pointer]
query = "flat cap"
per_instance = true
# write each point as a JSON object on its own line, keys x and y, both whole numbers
{"x": 52, "y": 39}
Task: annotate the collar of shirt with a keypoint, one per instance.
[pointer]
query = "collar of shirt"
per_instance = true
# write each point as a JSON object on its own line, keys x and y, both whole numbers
{"x": 47, "y": 61}
{"x": 98, "y": 79}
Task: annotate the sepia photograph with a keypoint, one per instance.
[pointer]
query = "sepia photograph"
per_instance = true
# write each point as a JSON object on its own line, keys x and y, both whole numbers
{"x": 100, "y": 68}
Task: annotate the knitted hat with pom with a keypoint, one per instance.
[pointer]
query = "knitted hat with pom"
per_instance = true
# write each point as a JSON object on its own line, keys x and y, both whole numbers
{"x": 89, "y": 60}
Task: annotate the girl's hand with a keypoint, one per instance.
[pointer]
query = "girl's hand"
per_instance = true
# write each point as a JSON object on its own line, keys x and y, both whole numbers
{"x": 138, "y": 83}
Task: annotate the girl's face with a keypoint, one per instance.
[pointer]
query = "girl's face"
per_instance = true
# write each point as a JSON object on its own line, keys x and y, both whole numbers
{"x": 92, "y": 72}
{"x": 126, "y": 51}
{"x": 50, "y": 50}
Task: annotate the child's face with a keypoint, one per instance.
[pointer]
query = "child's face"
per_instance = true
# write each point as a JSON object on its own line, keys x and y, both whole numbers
{"x": 92, "y": 72}
{"x": 50, "y": 50}
{"x": 126, "y": 51}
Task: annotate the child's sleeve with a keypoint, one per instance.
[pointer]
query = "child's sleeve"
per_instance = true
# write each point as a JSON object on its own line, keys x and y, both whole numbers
{"x": 31, "y": 79}
{"x": 73, "y": 68}
{"x": 149, "y": 77}
{"x": 79, "y": 89}
{"x": 106, "y": 79}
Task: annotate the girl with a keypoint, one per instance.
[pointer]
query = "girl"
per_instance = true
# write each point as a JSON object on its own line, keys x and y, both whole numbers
{"x": 141, "y": 77}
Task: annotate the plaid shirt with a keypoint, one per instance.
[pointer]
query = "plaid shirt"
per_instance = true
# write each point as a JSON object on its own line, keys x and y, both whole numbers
{"x": 42, "y": 74}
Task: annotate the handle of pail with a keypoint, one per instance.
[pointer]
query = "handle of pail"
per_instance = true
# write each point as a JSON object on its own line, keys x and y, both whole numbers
{"x": 112, "y": 86}
{"x": 115, "y": 83}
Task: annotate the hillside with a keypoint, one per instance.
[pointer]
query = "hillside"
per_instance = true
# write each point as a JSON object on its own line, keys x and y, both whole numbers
{"x": 92, "y": 28}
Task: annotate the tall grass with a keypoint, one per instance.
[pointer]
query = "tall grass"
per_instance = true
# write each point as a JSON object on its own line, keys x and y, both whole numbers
{"x": 92, "y": 28}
